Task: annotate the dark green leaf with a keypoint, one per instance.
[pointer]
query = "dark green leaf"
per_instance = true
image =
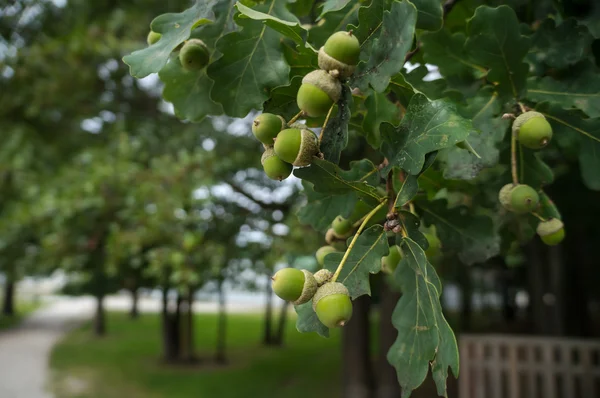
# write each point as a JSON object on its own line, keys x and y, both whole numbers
{"x": 427, "y": 126}
{"x": 447, "y": 52}
{"x": 495, "y": 42}
{"x": 333, "y": 22}
{"x": 385, "y": 57}
{"x": 562, "y": 45}
{"x": 188, "y": 91}
{"x": 532, "y": 169}
{"x": 251, "y": 65}
{"x": 283, "y": 99}
{"x": 430, "y": 14}
{"x": 407, "y": 190}
{"x": 308, "y": 322}
{"x": 328, "y": 178}
{"x": 379, "y": 109}
{"x": 322, "y": 208}
{"x": 370, "y": 21}
{"x": 364, "y": 259}
{"x": 332, "y": 5}
{"x": 547, "y": 207}
{"x": 410, "y": 224}
{"x": 423, "y": 336}
{"x": 335, "y": 135}
{"x": 174, "y": 28}
{"x": 300, "y": 63}
{"x": 473, "y": 237}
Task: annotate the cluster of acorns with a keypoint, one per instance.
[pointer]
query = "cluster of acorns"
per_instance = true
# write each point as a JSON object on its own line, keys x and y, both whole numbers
{"x": 295, "y": 145}
{"x": 533, "y": 131}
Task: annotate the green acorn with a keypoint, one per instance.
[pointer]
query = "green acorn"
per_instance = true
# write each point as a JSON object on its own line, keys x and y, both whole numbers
{"x": 332, "y": 304}
{"x": 523, "y": 199}
{"x": 551, "y": 231}
{"x": 322, "y": 252}
{"x": 318, "y": 92}
{"x": 532, "y": 130}
{"x": 296, "y": 146}
{"x": 341, "y": 226}
{"x": 340, "y": 54}
{"x": 194, "y": 55}
{"x": 153, "y": 37}
{"x": 297, "y": 286}
{"x": 390, "y": 262}
{"x": 504, "y": 196}
{"x": 323, "y": 276}
{"x": 266, "y": 126}
{"x": 274, "y": 167}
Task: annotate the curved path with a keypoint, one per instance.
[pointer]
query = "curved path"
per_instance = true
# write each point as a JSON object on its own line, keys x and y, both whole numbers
{"x": 24, "y": 350}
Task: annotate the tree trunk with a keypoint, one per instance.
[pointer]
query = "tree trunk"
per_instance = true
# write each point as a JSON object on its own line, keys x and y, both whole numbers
{"x": 358, "y": 381}
{"x": 100, "y": 317}
{"x": 189, "y": 354}
{"x": 221, "y": 356}
{"x": 268, "y": 332}
{"x": 8, "y": 305}
{"x": 134, "y": 311}
{"x": 170, "y": 330}
{"x": 387, "y": 386}
{"x": 278, "y": 339}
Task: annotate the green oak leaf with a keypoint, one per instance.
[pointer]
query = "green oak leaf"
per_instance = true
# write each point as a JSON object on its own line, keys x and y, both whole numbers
{"x": 174, "y": 28}
{"x": 547, "y": 207}
{"x": 427, "y": 126}
{"x": 301, "y": 63}
{"x": 370, "y": 21}
{"x": 473, "y": 237}
{"x": 335, "y": 135}
{"x": 322, "y": 208}
{"x": 252, "y": 64}
{"x": 485, "y": 112}
{"x": 407, "y": 189}
{"x": 494, "y": 41}
{"x": 533, "y": 170}
{"x": 385, "y": 57}
{"x": 188, "y": 91}
{"x": 562, "y": 45}
{"x": 580, "y": 90}
{"x": 364, "y": 259}
{"x": 329, "y": 178}
{"x": 308, "y": 322}
{"x": 331, "y": 6}
{"x": 430, "y": 14}
{"x": 333, "y": 21}
{"x": 283, "y": 99}
{"x": 418, "y": 317}
{"x": 223, "y": 24}
{"x": 447, "y": 51}
{"x": 586, "y": 131}
{"x": 410, "y": 223}
{"x": 290, "y": 29}
{"x": 379, "y": 109}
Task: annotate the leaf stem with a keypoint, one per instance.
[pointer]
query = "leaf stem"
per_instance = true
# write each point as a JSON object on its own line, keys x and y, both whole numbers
{"x": 513, "y": 157}
{"x": 351, "y": 246}
{"x": 522, "y": 108}
{"x": 325, "y": 123}
{"x": 389, "y": 187}
{"x": 539, "y": 217}
{"x": 292, "y": 120}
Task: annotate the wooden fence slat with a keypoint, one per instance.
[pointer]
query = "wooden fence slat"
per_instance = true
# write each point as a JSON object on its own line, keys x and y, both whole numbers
{"x": 464, "y": 380}
{"x": 568, "y": 380}
{"x": 495, "y": 369}
{"x": 587, "y": 381}
{"x": 479, "y": 370}
{"x": 532, "y": 373}
{"x": 513, "y": 379}
{"x": 548, "y": 373}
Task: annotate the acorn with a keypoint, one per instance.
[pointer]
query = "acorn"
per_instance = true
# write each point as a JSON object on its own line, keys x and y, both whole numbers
{"x": 523, "y": 199}
{"x": 532, "y": 130}
{"x": 340, "y": 54}
{"x": 332, "y": 304}
{"x": 551, "y": 231}
{"x": 318, "y": 92}
{"x": 390, "y": 262}
{"x": 297, "y": 286}
{"x": 266, "y": 126}
{"x": 153, "y": 37}
{"x": 274, "y": 167}
{"x": 322, "y": 252}
{"x": 194, "y": 55}
{"x": 323, "y": 276}
{"x": 296, "y": 146}
{"x": 504, "y": 196}
{"x": 341, "y": 226}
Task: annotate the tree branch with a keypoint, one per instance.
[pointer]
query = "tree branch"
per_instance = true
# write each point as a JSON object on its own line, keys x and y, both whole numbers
{"x": 267, "y": 206}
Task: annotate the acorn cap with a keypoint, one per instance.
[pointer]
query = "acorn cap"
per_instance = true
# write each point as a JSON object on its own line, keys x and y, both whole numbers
{"x": 323, "y": 276}
{"x": 549, "y": 227}
{"x": 330, "y": 64}
{"x": 309, "y": 147}
{"x": 324, "y": 81}
{"x": 327, "y": 290}
{"x": 524, "y": 117}
{"x": 331, "y": 236}
{"x": 504, "y": 196}
{"x": 308, "y": 290}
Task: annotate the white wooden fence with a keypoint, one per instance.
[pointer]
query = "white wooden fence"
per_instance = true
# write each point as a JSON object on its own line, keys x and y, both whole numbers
{"x": 502, "y": 366}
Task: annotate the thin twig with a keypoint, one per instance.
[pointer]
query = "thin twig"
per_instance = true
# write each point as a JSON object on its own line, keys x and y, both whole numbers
{"x": 325, "y": 123}
{"x": 513, "y": 157}
{"x": 292, "y": 120}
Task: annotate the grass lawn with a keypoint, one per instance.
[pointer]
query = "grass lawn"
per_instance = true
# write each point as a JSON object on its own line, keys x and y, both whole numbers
{"x": 23, "y": 308}
{"x": 126, "y": 363}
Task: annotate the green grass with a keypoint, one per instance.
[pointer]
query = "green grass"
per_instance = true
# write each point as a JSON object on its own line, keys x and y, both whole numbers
{"x": 22, "y": 310}
{"x": 126, "y": 363}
